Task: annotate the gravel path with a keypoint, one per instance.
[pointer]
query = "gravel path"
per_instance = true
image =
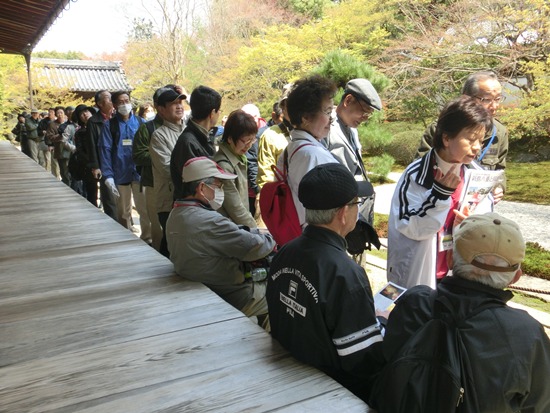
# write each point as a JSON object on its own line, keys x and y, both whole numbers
{"x": 534, "y": 220}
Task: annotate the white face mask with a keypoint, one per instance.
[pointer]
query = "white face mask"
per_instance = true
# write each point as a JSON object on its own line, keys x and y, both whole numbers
{"x": 217, "y": 202}
{"x": 124, "y": 109}
{"x": 150, "y": 116}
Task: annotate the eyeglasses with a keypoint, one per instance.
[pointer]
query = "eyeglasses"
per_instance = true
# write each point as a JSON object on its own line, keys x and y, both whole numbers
{"x": 488, "y": 101}
{"x": 220, "y": 186}
{"x": 366, "y": 111}
{"x": 327, "y": 112}
{"x": 357, "y": 201}
{"x": 249, "y": 142}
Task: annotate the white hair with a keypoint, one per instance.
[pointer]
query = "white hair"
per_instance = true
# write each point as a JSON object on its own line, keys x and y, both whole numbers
{"x": 320, "y": 216}
{"x": 493, "y": 279}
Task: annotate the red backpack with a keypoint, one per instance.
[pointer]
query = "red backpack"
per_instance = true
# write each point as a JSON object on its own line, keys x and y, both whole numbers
{"x": 277, "y": 206}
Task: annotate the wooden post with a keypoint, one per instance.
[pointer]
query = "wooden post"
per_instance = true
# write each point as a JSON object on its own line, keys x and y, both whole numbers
{"x": 28, "y": 61}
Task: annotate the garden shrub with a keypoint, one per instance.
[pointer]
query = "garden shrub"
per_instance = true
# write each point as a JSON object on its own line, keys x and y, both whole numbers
{"x": 379, "y": 167}
{"x": 537, "y": 261}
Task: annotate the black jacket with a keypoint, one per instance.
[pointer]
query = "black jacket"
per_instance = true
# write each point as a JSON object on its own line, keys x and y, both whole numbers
{"x": 508, "y": 350}
{"x": 191, "y": 143}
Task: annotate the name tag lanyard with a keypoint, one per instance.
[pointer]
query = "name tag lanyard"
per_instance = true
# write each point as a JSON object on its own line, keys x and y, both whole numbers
{"x": 489, "y": 144}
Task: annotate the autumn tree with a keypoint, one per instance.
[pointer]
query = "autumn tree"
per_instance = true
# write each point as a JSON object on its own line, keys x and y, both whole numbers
{"x": 436, "y": 45}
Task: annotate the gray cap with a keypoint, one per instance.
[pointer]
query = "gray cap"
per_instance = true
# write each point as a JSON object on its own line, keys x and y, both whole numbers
{"x": 364, "y": 90}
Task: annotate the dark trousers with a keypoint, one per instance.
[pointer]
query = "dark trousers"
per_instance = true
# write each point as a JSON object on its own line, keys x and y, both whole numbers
{"x": 163, "y": 217}
{"x": 107, "y": 199}
{"x": 90, "y": 185}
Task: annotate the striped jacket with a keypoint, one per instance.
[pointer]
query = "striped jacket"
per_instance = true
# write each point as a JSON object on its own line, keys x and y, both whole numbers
{"x": 418, "y": 211}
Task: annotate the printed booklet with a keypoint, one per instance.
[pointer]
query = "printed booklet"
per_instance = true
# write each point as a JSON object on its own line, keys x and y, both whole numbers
{"x": 477, "y": 185}
{"x": 385, "y": 298}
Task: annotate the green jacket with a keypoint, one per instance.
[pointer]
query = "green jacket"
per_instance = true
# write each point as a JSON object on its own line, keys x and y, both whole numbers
{"x": 140, "y": 151}
{"x": 31, "y": 125}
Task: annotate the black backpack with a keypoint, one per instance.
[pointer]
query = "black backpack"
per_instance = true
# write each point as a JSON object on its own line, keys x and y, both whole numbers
{"x": 431, "y": 372}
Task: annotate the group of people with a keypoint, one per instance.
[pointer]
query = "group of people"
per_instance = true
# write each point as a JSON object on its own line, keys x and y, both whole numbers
{"x": 195, "y": 186}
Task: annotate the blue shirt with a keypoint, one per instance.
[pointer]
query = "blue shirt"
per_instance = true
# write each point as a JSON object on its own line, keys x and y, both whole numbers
{"x": 117, "y": 162}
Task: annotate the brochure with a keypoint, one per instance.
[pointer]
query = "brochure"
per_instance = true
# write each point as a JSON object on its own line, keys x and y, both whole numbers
{"x": 477, "y": 185}
{"x": 385, "y": 298}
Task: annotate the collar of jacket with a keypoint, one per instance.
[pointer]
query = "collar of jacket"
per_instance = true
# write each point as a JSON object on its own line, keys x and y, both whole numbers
{"x": 191, "y": 202}
{"x": 462, "y": 286}
{"x": 231, "y": 157}
{"x": 197, "y": 128}
{"x": 326, "y": 236}
{"x": 177, "y": 127}
{"x": 425, "y": 176}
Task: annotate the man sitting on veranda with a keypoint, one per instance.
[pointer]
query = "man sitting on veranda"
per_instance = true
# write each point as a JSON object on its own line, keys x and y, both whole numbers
{"x": 320, "y": 302}
{"x": 207, "y": 247}
{"x": 508, "y": 350}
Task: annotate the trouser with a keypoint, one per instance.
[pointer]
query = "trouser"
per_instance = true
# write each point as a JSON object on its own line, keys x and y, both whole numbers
{"x": 33, "y": 150}
{"x": 90, "y": 185}
{"x": 47, "y": 159}
{"x": 108, "y": 201}
{"x": 163, "y": 217}
{"x": 25, "y": 146}
{"x": 64, "y": 170}
{"x": 124, "y": 208}
{"x": 55, "y": 167}
{"x": 151, "y": 205}
{"x": 257, "y": 306}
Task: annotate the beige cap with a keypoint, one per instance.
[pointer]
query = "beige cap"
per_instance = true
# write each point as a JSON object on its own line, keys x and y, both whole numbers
{"x": 202, "y": 167}
{"x": 490, "y": 234}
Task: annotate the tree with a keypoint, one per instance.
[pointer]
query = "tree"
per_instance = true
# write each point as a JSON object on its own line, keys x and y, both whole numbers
{"x": 280, "y": 54}
{"x": 53, "y": 54}
{"x": 436, "y": 46}
{"x": 14, "y": 94}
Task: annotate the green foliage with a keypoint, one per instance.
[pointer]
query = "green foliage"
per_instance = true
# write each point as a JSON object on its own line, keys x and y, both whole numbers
{"x": 341, "y": 66}
{"x": 309, "y": 8}
{"x": 14, "y": 93}
{"x": 537, "y": 261}
{"x": 52, "y": 54}
{"x": 405, "y": 141}
{"x": 373, "y": 135}
{"x": 284, "y": 53}
{"x": 531, "y": 302}
{"x": 530, "y": 115}
{"x": 381, "y": 224}
{"x": 379, "y": 167}
{"x": 528, "y": 182}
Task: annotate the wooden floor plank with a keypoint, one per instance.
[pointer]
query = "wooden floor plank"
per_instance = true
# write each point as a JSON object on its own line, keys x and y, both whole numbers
{"x": 94, "y": 320}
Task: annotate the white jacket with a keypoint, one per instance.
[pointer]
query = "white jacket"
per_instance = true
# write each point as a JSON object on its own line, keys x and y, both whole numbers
{"x": 418, "y": 211}
{"x": 301, "y": 161}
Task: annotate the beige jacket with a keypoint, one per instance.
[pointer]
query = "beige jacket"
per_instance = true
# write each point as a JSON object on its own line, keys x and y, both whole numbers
{"x": 235, "y": 204}
{"x": 162, "y": 143}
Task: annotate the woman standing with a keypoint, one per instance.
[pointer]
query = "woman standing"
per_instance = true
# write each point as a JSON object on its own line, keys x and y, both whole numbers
{"x": 421, "y": 216}
{"x": 310, "y": 106}
{"x": 239, "y": 135}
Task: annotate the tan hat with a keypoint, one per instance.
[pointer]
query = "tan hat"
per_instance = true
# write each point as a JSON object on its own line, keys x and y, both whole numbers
{"x": 490, "y": 234}
{"x": 202, "y": 167}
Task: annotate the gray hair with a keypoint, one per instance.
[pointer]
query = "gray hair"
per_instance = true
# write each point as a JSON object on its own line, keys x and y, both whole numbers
{"x": 320, "y": 216}
{"x": 189, "y": 188}
{"x": 493, "y": 279}
{"x": 471, "y": 85}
